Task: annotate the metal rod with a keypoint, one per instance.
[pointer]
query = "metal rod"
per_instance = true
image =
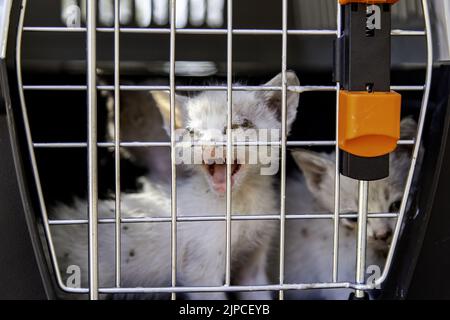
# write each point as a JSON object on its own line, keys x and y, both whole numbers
{"x": 362, "y": 235}
{"x": 34, "y": 166}
{"x": 398, "y": 32}
{"x": 142, "y": 290}
{"x": 283, "y": 145}
{"x": 92, "y": 148}
{"x": 235, "y": 217}
{"x": 173, "y": 243}
{"x": 54, "y": 29}
{"x": 335, "y": 267}
{"x": 311, "y": 32}
{"x": 229, "y": 141}
{"x": 231, "y": 288}
{"x": 299, "y": 89}
{"x": 117, "y": 139}
{"x": 408, "y": 88}
{"x": 99, "y": 144}
{"x": 142, "y": 144}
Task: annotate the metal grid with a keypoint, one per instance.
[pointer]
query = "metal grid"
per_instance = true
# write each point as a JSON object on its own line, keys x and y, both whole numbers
{"x": 92, "y": 144}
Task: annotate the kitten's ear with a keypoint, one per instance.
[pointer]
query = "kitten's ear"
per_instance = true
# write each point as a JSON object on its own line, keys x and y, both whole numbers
{"x": 162, "y": 101}
{"x": 273, "y": 99}
{"x": 408, "y": 128}
{"x": 315, "y": 167}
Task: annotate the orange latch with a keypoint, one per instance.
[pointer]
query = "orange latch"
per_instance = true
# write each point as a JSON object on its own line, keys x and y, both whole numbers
{"x": 369, "y": 122}
{"x": 344, "y": 2}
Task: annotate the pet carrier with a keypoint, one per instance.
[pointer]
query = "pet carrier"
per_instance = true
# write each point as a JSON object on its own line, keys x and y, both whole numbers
{"x": 61, "y": 60}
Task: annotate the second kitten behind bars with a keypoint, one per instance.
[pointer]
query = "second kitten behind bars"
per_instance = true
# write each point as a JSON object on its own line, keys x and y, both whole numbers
{"x": 309, "y": 242}
{"x": 201, "y": 245}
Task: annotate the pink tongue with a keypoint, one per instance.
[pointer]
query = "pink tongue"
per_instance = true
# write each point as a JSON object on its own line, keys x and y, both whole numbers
{"x": 219, "y": 178}
{"x": 220, "y": 174}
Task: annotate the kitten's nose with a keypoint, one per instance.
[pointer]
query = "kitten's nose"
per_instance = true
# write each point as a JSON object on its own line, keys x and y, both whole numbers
{"x": 383, "y": 235}
{"x": 214, "y": 154}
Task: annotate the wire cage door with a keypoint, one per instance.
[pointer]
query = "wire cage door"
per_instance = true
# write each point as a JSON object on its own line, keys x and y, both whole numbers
{"x": 92, "y": 144}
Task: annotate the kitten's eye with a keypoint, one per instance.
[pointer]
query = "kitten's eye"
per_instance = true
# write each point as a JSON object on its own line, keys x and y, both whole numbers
{"x": 246, "y": 124}
{"x": 190, "y": 131}
{"x": 350, "y": 223}
{"x": 395, "y": 206}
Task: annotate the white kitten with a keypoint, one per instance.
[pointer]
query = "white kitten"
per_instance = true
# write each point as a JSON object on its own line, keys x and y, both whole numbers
{"x": 309, "y": 243}
{"x": 200, "y": 245}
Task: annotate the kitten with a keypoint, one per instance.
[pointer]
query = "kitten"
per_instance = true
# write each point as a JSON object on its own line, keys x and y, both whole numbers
{"x": 146, "y": 254}
{"x": 309, "y": 243}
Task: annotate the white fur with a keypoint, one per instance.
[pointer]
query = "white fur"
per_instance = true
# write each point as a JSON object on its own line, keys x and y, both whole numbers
{"x": 309, "y": 247}
{"x": 309, "y": 243}
{"x": 200, "y": 245}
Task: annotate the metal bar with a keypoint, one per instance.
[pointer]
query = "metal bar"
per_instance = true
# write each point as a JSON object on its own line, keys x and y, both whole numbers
{"x": 335, "y": 267}
{"x": 408, "y": 88}
{"x": 55, "y": 87}
{"x": 283, "y": 145}
{"x": 117, "y": 139}
{"x": 92, "y": 148}
{"x": 236, "y": 288}
{"x": 311, "y": 32}
{"x": 34, "y": 166}
{"x": 362, "y": 235}
{"x": 99, "y": 144}
{"x": 302, "y": 286}
{"x": 415, "y": 33}
{"x": 229, "y": 141}
{"x": 299, "y": 89}
{"x": 420, "y": 127}
{"x": 173, "y": 243}
{"x": 235, "y": 217}
{"x": 141, "y": 144}
{"x": 310, "y": 143}
{"x": 54, "y": 29}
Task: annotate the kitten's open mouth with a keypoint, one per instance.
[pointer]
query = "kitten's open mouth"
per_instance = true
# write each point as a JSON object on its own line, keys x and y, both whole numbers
{"x": 218, "y": 174}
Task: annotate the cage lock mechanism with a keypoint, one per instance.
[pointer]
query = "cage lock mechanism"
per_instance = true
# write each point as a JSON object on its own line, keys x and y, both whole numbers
{"x": 369, "y": 112}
